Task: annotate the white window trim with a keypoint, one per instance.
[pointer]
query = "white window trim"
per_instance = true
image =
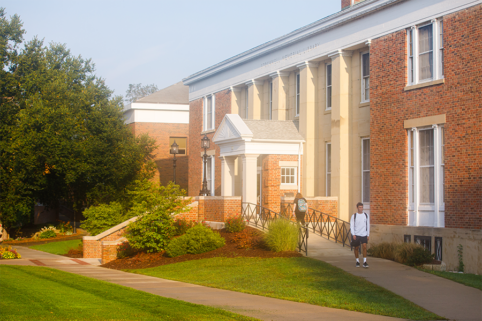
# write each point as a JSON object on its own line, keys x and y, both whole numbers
{"x": 326, "y": 169}
{"x": 297, "y": 93}
{"x": 363, "y": 98}
{"x": 270, "y": 100}
{"x": 330, "y": 86}
{"x": 213, "y": 112}
{"x": 437, "y": 62}
{"x": 295, "y": 175}
{"x": 366, "y": 205}
{"x": 438, "y": 207}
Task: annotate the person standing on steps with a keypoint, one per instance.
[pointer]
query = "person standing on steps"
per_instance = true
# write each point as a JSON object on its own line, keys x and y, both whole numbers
{"x": 360, "y": 230}
{"x": 300, "y": 206}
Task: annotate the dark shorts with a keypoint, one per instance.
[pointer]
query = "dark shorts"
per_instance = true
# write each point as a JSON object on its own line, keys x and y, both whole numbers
{"x": 362, "y": 239}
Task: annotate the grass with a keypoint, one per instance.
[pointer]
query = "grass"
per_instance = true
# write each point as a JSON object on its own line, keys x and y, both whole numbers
{"x": 59, "y": 248}
{"x": 295, "y": 279}
{"x": 472, "y": 280}
{"x": 40, "y": 293}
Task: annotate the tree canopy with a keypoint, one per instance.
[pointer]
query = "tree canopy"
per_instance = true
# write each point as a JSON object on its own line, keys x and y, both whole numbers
{"x": 138, "y": 91}
{"x": 62, "y": 135}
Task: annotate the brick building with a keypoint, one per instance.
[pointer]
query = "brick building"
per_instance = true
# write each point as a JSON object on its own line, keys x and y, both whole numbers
{"x": 385, "y": 97}
{"x": 164, "y": 115}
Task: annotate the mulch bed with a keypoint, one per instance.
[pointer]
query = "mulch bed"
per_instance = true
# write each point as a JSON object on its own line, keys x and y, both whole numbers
{"x": 248, "y": 243}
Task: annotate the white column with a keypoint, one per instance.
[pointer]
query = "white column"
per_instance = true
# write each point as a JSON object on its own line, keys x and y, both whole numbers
{"x": 416, "y": 175}
{"x": 255, "y": 92}
{"x": 227, "y": 175}
{"x": 249, "y": 183}
{"x": 280, "y": 92}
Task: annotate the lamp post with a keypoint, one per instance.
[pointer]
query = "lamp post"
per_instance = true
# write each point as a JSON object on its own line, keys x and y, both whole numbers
{"x": 174, "y": 151}
{"x": 205, "y": 144}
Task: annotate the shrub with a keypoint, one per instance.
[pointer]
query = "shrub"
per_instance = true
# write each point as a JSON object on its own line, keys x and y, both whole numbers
{"x": 181, "y": 226}
{"x": 125, "y": 250}
{"x": 420, "y": 256}
{"x": 198, "y": 239}
{"x": 405, "y": 253}
{"x": 9, "y": 253}
{"x": 102, "y": 217}
{"x": 282, "y": 236}
{"x": 235, "y": 224}
{"x": 47, "y": 234}
{"x": 384, "y": 250}
{"x": 64, "y": 227}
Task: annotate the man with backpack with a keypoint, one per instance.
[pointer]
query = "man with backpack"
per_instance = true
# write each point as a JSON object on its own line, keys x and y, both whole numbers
{"x": 360, "y": 231}
{"x": 299, "y": 208}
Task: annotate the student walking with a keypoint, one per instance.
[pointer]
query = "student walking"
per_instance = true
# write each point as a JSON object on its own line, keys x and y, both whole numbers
{"x": 360, "y": 230}
{"x": 300, "y": 206}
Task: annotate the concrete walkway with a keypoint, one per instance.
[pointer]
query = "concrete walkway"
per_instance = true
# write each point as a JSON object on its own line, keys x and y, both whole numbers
{"x": 246, "y": 304}
{"x": 446, "y": 298}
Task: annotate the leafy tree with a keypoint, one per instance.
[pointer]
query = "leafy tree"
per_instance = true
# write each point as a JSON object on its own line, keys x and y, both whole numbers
{"x": 138, "y": 91}
{"x": 62, "y": 135}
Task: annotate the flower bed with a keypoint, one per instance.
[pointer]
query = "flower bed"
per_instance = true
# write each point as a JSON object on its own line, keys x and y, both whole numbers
{"x": 23, "y": 240}
{"x": 8, "y": 253}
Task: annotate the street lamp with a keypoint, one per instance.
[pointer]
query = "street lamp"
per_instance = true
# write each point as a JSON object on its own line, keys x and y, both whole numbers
{"x": 175, "y": 151}
{"x": 205, "y": 144}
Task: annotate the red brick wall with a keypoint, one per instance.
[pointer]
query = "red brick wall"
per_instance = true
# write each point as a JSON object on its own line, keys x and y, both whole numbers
{"x": 347, "y": 3}
{"x": 272, "y": 180}
{"x": 219, "y": 209}
{"x": 459, "y": 98}
{"x": 326, "y": 206}
{"x": 222, "y": 107}
{"x": 162, "y": 157}
{"x": 93, "y": 248}
{"x": 109, "y": 252}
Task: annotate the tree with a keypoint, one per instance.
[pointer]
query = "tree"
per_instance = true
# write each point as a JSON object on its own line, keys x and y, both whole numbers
{"x": 62, "y": 135}
{"x": 137, "y": 91}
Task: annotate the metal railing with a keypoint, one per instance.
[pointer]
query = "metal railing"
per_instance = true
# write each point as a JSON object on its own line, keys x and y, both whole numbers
{"x": 323, "y": 224}
{"x": 262, "y": 217}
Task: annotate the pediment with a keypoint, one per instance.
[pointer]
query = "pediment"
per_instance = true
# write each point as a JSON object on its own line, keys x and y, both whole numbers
{"x": 232, "y": 128}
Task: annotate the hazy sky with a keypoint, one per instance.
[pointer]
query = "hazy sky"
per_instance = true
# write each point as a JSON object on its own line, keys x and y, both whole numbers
{"x": 162, "y": 42}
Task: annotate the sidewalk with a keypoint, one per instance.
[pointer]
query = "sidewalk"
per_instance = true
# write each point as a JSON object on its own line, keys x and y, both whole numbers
{"x": 246, "y": 304}
{"x": 446, "y": 298}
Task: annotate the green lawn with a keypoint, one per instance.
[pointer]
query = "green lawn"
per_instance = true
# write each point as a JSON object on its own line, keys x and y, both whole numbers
{"x": 40, "y": 293}
{"x": 59, "y": 248}
{"x": 295, "y": 279}
{"x": 472, "y": 280}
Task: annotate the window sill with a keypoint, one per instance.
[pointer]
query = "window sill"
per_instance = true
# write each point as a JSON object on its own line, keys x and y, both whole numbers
{"x": 364, "y": 104}
{"x": 425, "y": 84}
{"x": 327, "y": 111}
{"x": 288, "y": 187}
{"x": 208, "y": 131}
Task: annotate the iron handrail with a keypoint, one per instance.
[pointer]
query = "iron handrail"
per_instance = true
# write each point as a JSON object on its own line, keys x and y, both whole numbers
{"x": 261, "y": 217}
{"x": 323, "y": 224}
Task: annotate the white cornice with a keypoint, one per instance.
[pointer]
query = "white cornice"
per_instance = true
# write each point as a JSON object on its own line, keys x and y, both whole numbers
{"x": 342, "y": 53}
{"x": 254, "y": 82}
{"x": 279, "y": 74}
{"x": 305, "y": 64}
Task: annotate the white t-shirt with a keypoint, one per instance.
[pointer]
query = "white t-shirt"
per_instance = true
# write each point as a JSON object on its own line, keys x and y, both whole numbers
{"x": 362, "y": 225}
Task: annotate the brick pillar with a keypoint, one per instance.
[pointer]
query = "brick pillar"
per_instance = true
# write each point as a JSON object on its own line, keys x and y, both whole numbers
{"x": 340, "y": 130}
{"x": 308, "y": 76}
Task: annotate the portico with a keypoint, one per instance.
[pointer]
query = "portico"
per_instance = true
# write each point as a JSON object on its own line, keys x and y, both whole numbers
{"x": 245, "y": 145}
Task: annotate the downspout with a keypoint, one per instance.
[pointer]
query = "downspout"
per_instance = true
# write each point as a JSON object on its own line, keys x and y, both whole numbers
{"x": 299, "y": 167}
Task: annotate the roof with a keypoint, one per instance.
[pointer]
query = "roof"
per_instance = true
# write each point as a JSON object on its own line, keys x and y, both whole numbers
{"x": 274, "y": 129}
{"x": 174, "y": 94}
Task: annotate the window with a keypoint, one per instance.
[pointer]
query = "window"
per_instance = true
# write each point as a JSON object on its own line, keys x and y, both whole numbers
{"x": 328, "y": 169}
{"x": 298, "y": 94}
{"x": 365, "y": 73}
{"x": 209, "y": 174}
{"x": 425, "y": 52}
{"x": 328, "y": 87}
{"x": 246, "y": 107}
{"x": 288, "y": 175}
{"x": 366, "y": 170}
{"x": 426, "y": 176}
{"x": 270, "y": 107}
{"x": 209, "y": 112}
{"x": 181, "y": 141}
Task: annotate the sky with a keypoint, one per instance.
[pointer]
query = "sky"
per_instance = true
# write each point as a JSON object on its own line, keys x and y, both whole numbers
{"x": 161, "y": 42}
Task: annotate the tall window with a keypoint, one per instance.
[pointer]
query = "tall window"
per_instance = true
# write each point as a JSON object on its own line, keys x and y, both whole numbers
{"x": 365, "y": 61}
{"x": 209, "y": 112}
{"x": 425, "y": 52}
{"x": 210, "y": 174}
{"x": 298, "y": 94}
{"x": 288, "y": 175}
{"x": 328, "y": 169}
{"x": 328, "y": 87}
{"x": 246, "y": 106}
{"x": 426, "y": 176}
{"x": 181, "y": 142}
{"x": 366, "y": 170}
{"x": 270, "y": 107}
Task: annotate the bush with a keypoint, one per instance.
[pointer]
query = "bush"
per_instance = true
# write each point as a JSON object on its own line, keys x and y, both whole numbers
{"x": 64, "y": 227}
{"x": 235, "y": 224}
{"x": 198, "y": 239}
{"x": 47, "y": 234}
{"x": 9, "y": 253}
{"x": 405, "y": 253}
{"x": 125, "y": 250}
{"x": 282, "y": 236}
{"x": 102, "y": 217}
{"x": 181, "y": 226}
